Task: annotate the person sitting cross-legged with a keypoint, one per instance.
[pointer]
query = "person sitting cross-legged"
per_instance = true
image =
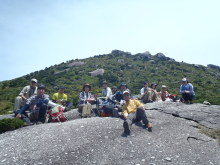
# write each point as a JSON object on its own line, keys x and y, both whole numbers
{"x": 133, "y": 111}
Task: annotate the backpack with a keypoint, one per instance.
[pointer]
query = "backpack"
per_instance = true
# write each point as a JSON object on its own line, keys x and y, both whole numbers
{"x": 56, "y": 115}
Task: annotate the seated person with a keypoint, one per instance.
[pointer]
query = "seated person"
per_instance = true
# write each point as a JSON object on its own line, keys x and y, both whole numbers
{"x": 106, "y": 91}
{"x": 133, "y": 111}
{"x": 186, "y": 89}
{"x": 154, "y": 94}
{"x": 85, "y": 101}
{"x": 114, "y": 90}
{"x": 118, "y": 96}
{"x": 38, "y": 106}
{"x": 149, "y": 94}
{"x": 25, "y": 94}
{"x": 145, "y": 93}
{"x": 164, "y": 94}
{"x": 60, "y": 97}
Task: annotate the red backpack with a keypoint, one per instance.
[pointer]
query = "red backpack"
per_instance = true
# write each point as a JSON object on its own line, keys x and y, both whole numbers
{"x": 56, "y": 115}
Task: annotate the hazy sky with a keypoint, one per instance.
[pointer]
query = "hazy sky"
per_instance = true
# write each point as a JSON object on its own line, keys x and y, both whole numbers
{"x": 35, "y": 34}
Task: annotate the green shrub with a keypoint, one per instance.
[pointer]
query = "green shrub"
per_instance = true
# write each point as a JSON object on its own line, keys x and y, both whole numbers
{"x": 10, "y": 124}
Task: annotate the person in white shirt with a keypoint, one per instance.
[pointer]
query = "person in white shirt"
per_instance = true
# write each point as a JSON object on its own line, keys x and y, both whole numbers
{"x": 106, "y": 91}
{"x": 25, "y": 94}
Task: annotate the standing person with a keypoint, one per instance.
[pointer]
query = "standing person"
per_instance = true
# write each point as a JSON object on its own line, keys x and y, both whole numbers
{"x": 85, "y": 100}
{"x": 25, "y": 94}
{"x": 133, "y": 111}
{"x": 60, "y": 97}
{"x": 186, "y": 89}
{"x": 38, "y": 106}
{"x": 106, "y": 91}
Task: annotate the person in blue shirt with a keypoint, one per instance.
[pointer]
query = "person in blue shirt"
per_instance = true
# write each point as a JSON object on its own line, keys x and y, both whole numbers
{"x": 38, "y": 106}
{"x": 187, "y": 91}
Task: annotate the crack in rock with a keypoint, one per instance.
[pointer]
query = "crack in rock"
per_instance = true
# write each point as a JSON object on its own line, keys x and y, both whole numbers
{"x": 195, "y": 138}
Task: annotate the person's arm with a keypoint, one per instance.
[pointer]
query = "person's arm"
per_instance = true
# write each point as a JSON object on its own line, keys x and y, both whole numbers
{"x": 181, "y": 90}
{"x": 65, "y": 97}
{"x": 109, "y": 93}
{"x": 21, "y": 111}
{"x": 23, "y": 92}
{"x": 125, "y": 112}
{"x": 54, "y": 98}
{"x": 81, "y": 97}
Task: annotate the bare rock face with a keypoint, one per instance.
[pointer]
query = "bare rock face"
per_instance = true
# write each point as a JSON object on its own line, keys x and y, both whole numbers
{"x": 174, "y": 139}
{"x": 97, "y": 72}
{"x": 75, "y": 64}
{"x": 214, "y": 67}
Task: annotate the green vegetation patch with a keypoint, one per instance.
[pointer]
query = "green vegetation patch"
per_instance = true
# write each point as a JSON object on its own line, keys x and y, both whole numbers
{"x": 10, "y": 124}
{"x": 213, "y": 133}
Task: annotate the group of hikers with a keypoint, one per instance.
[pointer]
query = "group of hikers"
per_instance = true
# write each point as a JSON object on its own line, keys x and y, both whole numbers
{"x": 114, "y": 100}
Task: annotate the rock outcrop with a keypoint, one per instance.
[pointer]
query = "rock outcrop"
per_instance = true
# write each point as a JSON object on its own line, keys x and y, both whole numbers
{"x": 213, "y": 67}
{"x": 97, "y": 72}
{"x": 174, "y": 139}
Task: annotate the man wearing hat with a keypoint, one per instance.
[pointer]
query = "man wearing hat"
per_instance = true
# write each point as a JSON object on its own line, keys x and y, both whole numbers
{"x": 118, "y": 96}
{"x": 25, "y": 94}
{"x": 38, "y": 106}
{"x": 60, "y": 97}
{"x": 186, "y": 89}
{"x": 133, "y": 111}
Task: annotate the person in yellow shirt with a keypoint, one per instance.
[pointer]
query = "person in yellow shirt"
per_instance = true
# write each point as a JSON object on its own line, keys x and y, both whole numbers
{"x": 60, "y": 97}
{"x": 133, "y": 111}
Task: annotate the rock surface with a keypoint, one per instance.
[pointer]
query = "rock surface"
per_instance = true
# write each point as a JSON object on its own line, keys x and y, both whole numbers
{"x": 174, "y": 140}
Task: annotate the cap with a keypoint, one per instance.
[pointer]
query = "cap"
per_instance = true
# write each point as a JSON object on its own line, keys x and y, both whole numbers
{"x": 62, "y": 87}
{"x": 164, "y": 86}
{"x": 126, "y": 92}
{"x": 41, "y": 86}
{"x": 123, "y": 84}
{"x": 104, "y": 82}
{"x": 34, "y": 80}
{"x": 184, "y": 79}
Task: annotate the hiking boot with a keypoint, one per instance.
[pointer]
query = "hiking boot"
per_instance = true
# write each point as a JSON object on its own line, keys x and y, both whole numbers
{"x": 39, "y": 122}
{"x": 126, "y": 128}
{"x": 149, "y": 127}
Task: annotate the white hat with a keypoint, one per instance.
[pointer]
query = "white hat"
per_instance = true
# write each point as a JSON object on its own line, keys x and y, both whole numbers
{"x": 164, "y": 86}
{"x": 126, "y": 91}
{"x": 184, "y": 79}
{"x": 34, "y": 80}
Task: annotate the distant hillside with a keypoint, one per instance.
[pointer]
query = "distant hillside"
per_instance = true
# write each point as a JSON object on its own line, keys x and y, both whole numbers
{"x": 116, "y": 67}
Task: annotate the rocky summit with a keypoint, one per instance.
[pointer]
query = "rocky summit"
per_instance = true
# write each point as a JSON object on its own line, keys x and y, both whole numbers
{"x": 174, "y": 140}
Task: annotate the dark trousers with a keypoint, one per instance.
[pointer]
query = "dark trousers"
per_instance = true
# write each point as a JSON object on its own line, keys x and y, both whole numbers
{"x": 187, "y": 96}
{"x": 42, "y": 113}
{"x": 39, "y": 114}
{"x": 137, "y": 116}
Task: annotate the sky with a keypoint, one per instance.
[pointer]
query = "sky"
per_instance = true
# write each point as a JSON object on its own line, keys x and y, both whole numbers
{"x": 36, "y": 34}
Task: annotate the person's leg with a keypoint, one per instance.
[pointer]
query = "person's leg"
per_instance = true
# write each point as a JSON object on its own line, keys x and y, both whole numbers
{"x": 19, "y": 102}
{"x": 42, "y": 113}
{"x": 141, "y": 115}
{"x": 88, "y": 109}
{"x": 128, "y": 122}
